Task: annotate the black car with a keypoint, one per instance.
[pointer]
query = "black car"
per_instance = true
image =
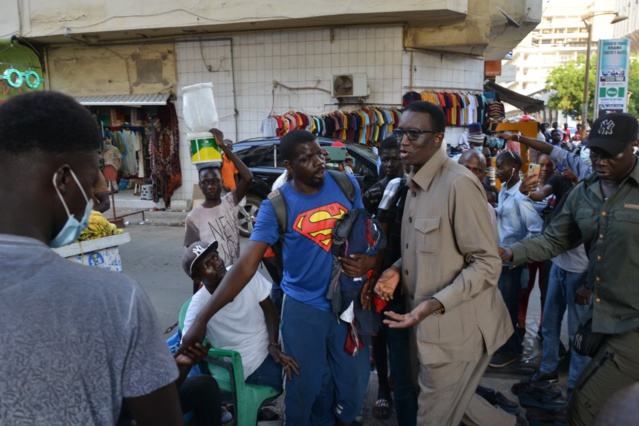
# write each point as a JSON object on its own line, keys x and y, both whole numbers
{"x": 261, "y": 156}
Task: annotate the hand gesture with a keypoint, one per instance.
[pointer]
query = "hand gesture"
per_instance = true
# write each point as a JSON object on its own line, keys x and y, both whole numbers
{"x": 400, "y": 320}
{"x": 357, "y": 265}
{"x": 583, "y": 295}
{"x": 192, "y": 355}
{"x": 194, "y": 336}
{"x": 421, "y": 311}
{"x": 387, "y": 283}
{"x": 529, "y": 184}
{"x": 289, "y": 364}
{"x": 366, "y": 293}
{"x": 219, "y": 138}
{"x": 506, "y": 254}
{"x": 507, "y": 136}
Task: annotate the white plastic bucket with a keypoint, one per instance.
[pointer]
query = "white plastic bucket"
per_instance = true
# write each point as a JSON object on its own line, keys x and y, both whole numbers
{"x": 198, "y": 107}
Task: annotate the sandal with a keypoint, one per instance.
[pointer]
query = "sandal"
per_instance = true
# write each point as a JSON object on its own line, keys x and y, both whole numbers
{"x": 381, "y": 409}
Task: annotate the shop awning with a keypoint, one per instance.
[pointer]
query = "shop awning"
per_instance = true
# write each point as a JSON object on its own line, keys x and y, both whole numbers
{"x": 124, "y": 100}
{"x": 523, "y": 102}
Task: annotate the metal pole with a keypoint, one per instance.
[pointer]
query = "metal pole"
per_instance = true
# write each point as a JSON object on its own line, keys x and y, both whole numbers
{"x": 584, "y": 105}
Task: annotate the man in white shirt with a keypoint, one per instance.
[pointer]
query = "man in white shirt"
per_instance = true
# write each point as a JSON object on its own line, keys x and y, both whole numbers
{"x": 248, "y": 325}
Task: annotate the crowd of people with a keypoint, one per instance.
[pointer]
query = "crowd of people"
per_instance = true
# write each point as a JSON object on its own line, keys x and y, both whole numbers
{"x": 427, "y": 273}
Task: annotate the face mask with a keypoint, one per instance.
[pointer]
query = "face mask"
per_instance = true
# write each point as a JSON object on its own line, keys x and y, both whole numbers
{"x": 72, "y": 229}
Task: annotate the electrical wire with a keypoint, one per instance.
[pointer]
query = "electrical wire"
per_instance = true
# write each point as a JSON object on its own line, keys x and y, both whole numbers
{"x": 167, "y": 12}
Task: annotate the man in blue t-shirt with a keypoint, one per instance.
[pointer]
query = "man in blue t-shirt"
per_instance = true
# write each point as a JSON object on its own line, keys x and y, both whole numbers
{"x": 331, "y": 384}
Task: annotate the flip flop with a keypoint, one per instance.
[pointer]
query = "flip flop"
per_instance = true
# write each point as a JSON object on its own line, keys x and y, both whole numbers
{"x": 381, "y": 409}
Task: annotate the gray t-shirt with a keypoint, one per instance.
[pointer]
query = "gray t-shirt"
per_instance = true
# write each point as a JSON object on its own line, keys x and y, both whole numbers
{"x": 75, "y": 339}
{"x": 575, "y": 260}
{"x": 219, "y": 223}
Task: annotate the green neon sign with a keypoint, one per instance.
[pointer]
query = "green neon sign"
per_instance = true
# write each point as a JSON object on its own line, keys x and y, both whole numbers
{"x": 17, "y": 78}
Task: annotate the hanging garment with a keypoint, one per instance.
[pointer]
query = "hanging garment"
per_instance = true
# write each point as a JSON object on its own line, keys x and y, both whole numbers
{"x": 164, "y": 149}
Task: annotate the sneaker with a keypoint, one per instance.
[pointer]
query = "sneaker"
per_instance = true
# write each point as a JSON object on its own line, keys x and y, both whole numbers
{"x": 541, "y": 380}
{"x": 502, "y": 360}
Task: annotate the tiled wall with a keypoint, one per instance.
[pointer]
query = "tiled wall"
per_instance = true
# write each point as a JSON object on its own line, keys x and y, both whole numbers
{"x": 305, "y": 59}
{"x": 443, "y": 72}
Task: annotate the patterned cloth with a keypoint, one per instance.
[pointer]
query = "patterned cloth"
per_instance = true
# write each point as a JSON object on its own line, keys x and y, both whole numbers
{"x": 164, "y": 149}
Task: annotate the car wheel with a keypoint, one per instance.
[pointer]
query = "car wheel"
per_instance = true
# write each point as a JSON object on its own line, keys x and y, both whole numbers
{"x": 247, "y": 214}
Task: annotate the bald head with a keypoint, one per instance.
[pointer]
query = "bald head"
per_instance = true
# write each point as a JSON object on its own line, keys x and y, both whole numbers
{"x": 475, "y": 162}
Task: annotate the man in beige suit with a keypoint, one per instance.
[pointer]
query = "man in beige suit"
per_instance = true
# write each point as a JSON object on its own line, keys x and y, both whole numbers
{"x": 450, "y": 267}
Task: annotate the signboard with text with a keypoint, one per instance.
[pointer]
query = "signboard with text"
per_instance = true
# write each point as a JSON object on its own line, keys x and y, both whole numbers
{"x": 613, "y": 61}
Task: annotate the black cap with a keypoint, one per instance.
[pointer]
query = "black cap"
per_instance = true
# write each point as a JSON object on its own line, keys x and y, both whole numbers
{"x": 194, "y": 254}
{"x": 613, "y": 132}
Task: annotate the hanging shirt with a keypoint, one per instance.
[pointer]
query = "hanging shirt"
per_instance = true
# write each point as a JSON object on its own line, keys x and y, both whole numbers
{"x": 269, "y": 127}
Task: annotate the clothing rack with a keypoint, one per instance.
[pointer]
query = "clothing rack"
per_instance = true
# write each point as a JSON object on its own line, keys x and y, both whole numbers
{"x": 461, "y": 106}
{"x": 443, "y": 89}
{"x": 365, "y": 125}
{"x": 375, "y": 104}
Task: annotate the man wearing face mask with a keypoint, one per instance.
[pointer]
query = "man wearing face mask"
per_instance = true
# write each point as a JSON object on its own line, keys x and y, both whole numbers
{"x": 516, "y": 219}
{"x": 77, "y": 341}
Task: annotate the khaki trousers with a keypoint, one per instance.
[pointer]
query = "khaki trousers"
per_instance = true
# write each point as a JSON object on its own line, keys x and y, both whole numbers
{"x": 448, "y": 396}
{"x": 614, "y": 367}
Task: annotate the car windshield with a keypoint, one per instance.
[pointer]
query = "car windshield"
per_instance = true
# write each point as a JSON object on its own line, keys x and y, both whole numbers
{"x": 364, "y": 152}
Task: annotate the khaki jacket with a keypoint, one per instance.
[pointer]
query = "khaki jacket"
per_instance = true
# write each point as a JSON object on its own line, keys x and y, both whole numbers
{"x": 449, "y": 252}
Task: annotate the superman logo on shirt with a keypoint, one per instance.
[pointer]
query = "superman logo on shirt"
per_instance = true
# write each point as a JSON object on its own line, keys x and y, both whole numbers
{"x": 317, "y": 224}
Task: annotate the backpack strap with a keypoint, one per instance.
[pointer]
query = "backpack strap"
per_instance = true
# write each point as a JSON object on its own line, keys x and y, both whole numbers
{"x": 279, "y": 202}
{"x": 279, "y": 206}
{"x": 345, "y": 184}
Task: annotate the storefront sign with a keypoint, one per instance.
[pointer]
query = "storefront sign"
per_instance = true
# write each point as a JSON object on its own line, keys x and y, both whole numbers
{"x": 17, "y": 78}
{"x": 492, "y": 68}
{"x": 611, "y": 93}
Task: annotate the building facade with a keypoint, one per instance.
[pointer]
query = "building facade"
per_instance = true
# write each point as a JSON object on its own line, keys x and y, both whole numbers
{"x": 560, "y": 37}
{"x": 267, "y": 57}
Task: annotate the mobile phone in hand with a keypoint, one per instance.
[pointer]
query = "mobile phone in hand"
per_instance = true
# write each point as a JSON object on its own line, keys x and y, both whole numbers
{"x": 336, "y": 153}
{"x": 533, "y": 170}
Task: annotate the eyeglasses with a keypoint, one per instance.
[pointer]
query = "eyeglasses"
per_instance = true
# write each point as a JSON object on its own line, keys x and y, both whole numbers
{"x": 411, "y": 134}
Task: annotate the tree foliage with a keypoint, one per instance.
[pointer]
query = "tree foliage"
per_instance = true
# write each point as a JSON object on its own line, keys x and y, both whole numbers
{"x": 567, "y": 81}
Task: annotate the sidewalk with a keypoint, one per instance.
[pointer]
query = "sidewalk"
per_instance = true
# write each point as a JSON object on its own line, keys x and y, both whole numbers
{"x": 126, "y": 203}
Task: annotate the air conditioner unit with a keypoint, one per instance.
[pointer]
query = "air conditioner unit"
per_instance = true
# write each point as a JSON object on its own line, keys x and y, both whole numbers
{"x": 350, "y": 85}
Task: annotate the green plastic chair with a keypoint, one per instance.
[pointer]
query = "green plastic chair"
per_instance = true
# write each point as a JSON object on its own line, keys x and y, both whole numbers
{"x": 226, "y": 367}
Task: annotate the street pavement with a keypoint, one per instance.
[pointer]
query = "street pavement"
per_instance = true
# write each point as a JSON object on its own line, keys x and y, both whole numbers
{"x": 153, "y": 258}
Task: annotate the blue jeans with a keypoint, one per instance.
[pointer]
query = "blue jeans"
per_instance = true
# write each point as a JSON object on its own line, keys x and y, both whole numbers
{"x": 510, "y": 286}
{"x": 269, "y": 373}
{"x": 331, "y": 383}
{"x": 561, "y": 294}
{"x": 404, "y": 389}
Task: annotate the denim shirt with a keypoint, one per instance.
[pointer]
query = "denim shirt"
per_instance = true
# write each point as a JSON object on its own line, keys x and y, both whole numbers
{"x": 516, "y": 216}
{"x": 572, "y": 161}
{"x": 610, "y": 232}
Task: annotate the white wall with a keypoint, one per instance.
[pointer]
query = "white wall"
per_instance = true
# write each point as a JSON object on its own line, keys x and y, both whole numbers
{"x": 443, "y": 72}
{"x": 307, "y": 59}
